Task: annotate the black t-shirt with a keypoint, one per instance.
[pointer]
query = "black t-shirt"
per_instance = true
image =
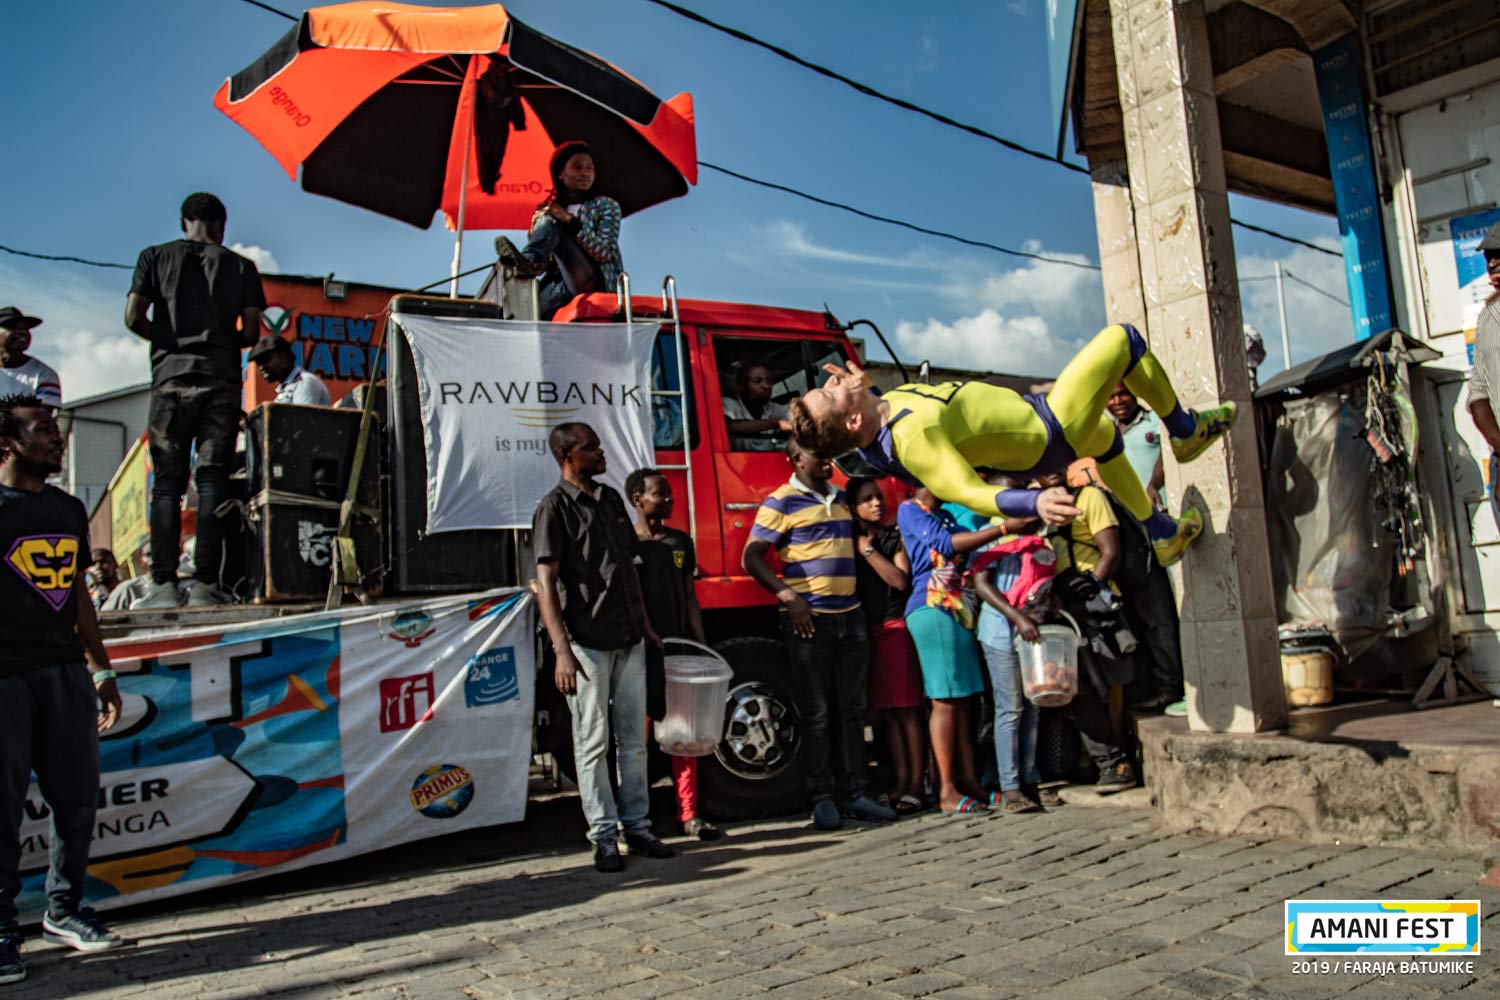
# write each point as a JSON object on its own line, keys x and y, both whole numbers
{"x": 198, "y": 292}
{"x": 593, "y": 541}
{"x": 44, "y": 540}
{"x": 666, "y": 567}
{"x": 881, "y": 601}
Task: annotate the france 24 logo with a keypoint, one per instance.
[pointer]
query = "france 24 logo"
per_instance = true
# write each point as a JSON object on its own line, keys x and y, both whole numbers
{"x": 490, "y": 678}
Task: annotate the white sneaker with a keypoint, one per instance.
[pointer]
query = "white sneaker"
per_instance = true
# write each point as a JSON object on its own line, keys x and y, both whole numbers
{"x": 158, "y": 596}
{"x": 204, "y": 595}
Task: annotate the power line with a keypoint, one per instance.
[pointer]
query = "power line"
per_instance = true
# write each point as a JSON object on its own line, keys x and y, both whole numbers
{"x": 70, "y": 260}
{"x": 273, "y": 10}
{"x": 896, "y": 222}
{"x": 865, "y": 88}
{"x": 1308, "y": 284}
{"x": 936, "y": 116}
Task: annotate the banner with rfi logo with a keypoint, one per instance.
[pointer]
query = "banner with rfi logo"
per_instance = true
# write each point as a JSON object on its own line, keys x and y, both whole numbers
{"x": 277, "y": 744}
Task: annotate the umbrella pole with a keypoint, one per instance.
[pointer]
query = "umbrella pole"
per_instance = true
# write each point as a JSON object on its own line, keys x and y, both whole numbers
{"x": 463, "y": 198}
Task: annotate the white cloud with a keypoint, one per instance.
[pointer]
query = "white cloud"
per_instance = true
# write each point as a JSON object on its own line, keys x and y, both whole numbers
{"x": 988, "y": 341}
{"x": 1021, "y": 8}
{"x": 82, "y": 333}
{"x": 790, "y": 239}
{"x": 265, "y": 260}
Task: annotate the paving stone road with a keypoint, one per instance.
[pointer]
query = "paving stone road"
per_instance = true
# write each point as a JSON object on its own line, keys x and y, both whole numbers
{"x": 1081, "y": 903}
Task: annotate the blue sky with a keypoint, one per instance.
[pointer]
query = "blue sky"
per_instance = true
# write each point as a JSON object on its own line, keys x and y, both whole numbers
{"x": 109, "y": 112}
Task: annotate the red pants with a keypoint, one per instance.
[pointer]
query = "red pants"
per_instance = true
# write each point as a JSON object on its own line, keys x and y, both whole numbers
{"x": 685, "y": 776}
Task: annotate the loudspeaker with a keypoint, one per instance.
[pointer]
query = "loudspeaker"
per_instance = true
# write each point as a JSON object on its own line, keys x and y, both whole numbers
{"x": 298, "y": 463}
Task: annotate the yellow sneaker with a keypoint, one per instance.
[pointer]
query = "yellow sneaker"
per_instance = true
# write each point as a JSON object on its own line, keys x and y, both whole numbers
{"x": 1171, "y": 550}
{"x": 1209, "y": 426}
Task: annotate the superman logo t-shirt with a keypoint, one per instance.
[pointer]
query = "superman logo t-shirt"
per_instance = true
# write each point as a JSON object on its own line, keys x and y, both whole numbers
{"x": 44, "y": 547}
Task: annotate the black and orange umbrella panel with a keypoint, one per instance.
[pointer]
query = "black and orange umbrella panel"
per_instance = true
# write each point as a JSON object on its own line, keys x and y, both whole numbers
{"x": 406, "y": 110}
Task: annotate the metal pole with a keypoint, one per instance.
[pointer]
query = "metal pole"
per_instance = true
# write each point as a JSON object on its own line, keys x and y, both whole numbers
{"x": 1286, "y": 341}
{"x": 463, "y": 199}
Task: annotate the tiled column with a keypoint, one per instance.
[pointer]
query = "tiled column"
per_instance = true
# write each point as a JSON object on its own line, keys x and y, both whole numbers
{"x": 1119, "y": 257}
{"x": 1186, "y": 257}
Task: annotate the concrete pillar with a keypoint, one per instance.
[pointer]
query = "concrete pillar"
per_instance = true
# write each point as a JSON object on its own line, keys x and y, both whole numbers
{"x": 1191, "y": 294}
{"x": 1119, "y": 256}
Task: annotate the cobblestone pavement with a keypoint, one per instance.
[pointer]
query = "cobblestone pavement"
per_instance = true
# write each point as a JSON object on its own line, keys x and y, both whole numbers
{"x": 1076, "y": 904}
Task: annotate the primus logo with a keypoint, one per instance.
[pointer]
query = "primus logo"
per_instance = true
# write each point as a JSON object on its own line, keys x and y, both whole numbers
{"x": 284, "y": 101}
{"x": 589, "y": 393}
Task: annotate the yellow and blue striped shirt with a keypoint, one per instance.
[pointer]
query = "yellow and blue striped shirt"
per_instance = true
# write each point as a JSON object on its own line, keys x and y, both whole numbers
{"x": 814, "y": 535}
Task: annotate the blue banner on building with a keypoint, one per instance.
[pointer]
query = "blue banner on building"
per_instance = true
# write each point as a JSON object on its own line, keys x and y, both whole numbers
{"x": 1351, "y": 164}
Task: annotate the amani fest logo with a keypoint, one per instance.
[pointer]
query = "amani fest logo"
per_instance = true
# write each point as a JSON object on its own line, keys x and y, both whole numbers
{"x": 1394, "y": 927}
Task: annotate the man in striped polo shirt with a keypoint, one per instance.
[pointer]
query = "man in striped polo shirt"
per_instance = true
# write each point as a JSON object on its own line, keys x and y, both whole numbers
{"x": 807, "y": 521}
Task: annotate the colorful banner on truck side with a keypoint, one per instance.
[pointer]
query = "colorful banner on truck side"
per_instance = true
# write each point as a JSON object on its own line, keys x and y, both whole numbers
{"x": 267, "y": 746}
{"x": 490, "y": 392}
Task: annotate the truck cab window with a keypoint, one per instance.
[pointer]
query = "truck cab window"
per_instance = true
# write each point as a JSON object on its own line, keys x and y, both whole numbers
{"x": 758, "y": 378}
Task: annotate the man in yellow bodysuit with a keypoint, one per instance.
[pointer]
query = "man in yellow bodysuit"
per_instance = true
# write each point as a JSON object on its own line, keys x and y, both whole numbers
{"x": 935, "y": 435}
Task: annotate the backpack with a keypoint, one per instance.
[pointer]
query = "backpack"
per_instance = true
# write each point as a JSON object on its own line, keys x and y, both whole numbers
{"x": 1137, "y": 555}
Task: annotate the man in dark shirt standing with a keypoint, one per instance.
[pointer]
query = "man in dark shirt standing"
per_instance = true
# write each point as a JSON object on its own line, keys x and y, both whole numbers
{"x": 590, "y": 603}
{"x": 205, "y": 303}
{"x": 49, "y": 707}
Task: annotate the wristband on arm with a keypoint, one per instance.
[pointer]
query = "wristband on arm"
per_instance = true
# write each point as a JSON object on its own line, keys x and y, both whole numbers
{"x": 103, "y": 675}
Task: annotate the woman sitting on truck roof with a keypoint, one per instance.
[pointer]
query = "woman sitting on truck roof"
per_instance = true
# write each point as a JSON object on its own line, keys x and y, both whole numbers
{"x": 574, "y": 236}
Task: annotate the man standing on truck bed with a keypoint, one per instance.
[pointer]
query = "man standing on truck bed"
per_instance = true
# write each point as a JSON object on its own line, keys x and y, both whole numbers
{"x": 808, "y": 522}
{"x": 197, "y": 290}
{"x": 590, "y": 603}
{"x": 49, "y": 707}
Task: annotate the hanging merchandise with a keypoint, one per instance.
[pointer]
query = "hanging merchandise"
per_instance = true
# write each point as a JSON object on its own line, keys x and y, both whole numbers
{"x": 1391, "y": 432}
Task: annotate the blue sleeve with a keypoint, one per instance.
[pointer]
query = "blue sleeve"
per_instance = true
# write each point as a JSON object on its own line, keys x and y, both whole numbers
{"x": 924, "y": 529}
{"x": 1017, "y": 503}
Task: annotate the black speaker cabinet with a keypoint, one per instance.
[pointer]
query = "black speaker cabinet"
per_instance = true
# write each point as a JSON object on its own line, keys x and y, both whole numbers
{"x": 299, "y": 462}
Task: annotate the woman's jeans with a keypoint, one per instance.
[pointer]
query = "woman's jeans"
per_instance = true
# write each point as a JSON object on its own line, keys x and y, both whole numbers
{"x": 1015, "y": 719}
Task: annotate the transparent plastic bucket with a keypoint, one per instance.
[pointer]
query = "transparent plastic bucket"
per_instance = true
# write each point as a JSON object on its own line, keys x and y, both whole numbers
{"x": 697, "y": 689}
{"x": 1049, "y": 666}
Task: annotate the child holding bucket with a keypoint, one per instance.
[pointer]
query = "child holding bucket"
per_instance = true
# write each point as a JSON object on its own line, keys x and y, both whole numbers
{"x": 1008, "y": 581}
{"x": 666, "y": 564}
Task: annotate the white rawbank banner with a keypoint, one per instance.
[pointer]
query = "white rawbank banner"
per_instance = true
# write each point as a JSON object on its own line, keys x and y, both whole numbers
{"x": 272, "y": 745}
{"x": 490, "y": 392}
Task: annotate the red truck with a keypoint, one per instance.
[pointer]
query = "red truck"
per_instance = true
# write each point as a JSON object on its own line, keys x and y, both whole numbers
{"x": 756, "y": 769}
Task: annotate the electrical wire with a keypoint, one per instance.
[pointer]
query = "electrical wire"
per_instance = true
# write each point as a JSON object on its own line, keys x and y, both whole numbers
{"x": 936, "y": 116}
{"x": 273, "y": 10}
{"x": 897, "y": 222}
{"x": 1308, "y": 284}
{"x": 865, "y": 88}
{"x": 67, "y": 259}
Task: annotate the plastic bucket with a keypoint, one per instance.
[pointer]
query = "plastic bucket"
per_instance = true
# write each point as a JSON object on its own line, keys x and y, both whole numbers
{"x": 1049, "y": 666}
{"x": 1308, "y": 656}
{"x": 697, "y": 689}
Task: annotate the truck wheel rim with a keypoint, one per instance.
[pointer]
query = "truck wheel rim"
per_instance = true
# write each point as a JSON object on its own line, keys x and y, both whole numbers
{"x": 760, "y": 738}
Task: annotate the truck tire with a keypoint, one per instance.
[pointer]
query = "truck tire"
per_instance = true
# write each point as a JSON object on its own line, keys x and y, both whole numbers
{"x": 757, "y": 770}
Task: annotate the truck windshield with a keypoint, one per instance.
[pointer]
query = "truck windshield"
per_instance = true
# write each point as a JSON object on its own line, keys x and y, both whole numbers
{"x": 750, "y": 366}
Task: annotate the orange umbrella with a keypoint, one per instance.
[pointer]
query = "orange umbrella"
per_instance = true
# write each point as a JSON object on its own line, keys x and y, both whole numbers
{"x": 404, "y": 110}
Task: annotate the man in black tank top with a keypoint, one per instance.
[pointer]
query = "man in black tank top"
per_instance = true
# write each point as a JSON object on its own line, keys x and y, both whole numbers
{"x": 49, "y": 704}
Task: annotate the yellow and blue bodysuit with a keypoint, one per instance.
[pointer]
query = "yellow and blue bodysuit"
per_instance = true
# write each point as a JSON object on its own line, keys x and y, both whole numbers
{"x": 937, "y": 434}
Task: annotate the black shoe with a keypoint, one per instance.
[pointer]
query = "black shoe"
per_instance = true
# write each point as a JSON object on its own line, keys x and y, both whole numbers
{"x": 607, "y": 857}
{"x": 80, "y": 930}
{"x": 826, "y": 816}
{"x": 1115, "y": 778}
{"x": 12, "y": 969}
{"x": 512, "y": 257}
{"x": 647, "y": 844}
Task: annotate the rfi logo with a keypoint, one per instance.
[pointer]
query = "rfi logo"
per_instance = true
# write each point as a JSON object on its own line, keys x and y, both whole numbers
{"x": 405, "y": 701}
{"x": 411, "y": 627}
{"x": 491, "y": 678}
{"x": 442, "y": 791}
